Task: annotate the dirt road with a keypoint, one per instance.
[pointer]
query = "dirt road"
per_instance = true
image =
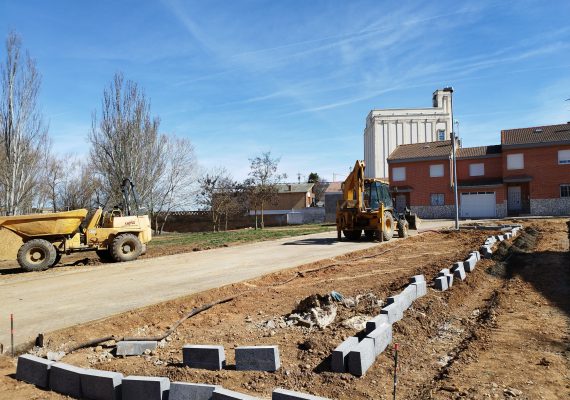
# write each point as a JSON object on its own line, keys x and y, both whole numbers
{"x": 54, "y": 299}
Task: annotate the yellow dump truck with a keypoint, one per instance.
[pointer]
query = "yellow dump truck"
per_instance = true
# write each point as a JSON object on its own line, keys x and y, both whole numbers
{"x": 44, "y": 238}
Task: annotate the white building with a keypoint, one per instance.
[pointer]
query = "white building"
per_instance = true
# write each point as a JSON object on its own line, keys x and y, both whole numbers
{"x": 389, "y": 128}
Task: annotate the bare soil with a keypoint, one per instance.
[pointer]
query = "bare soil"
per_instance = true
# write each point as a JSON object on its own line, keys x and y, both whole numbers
{"x": 504, "y": 332}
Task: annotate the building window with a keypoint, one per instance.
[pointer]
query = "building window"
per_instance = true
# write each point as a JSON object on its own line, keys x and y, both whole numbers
{"x": 563, "y": 156}
{"x": 441, "y": 134}
{"x": 565, "y": 190}
{"x": 476, "y": 169}
{"x": 436, "y": 171}
{"x": 437, "y": 199}
{"x": 399, "y": 174}
{"x": 515, "y": 161}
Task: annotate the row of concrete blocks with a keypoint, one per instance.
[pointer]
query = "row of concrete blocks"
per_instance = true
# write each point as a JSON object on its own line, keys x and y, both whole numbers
{"x": 212, "y": 357}
{"x": 358, "y": 353}
{"x": 248, "y": 358}
{"x": 486, "y": 249}
{"x": 82, "y": 383}
{"x": 459, "y": 270}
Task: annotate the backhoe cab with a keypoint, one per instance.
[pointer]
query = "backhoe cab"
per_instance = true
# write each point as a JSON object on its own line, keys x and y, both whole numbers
{"x": 367, "y": 207}
{"x": 119, "y": 235}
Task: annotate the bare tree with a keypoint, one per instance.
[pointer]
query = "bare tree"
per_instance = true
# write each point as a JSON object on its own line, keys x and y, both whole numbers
{"x": 125, "y": 140}
{"x": 214, "y": 195}
{"x": 23, "y": 135}
{"x": 176, "y": 187}
{"x": 263, "y": 180}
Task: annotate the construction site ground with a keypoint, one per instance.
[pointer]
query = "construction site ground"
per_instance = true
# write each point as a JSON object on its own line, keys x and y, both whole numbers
{"x": 504, "y": 332}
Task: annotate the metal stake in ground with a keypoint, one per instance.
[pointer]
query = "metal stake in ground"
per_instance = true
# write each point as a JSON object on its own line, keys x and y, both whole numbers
{"x": 396, "y": 347}
{"x": 12, "y": 332}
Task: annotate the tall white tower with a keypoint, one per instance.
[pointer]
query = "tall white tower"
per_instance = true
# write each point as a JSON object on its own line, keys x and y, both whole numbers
{"x": 388, "y": 128}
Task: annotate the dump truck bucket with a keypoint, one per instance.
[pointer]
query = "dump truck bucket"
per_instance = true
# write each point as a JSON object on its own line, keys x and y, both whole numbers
{"x": 52, "y": 224}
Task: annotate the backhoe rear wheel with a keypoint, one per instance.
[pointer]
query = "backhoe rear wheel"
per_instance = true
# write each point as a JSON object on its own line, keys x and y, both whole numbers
{"x": 388, "y": 228}
{"x": 369, "y": 235}
{"x": 104, "y": 255}
{"x": 37, "y": 255}
{"x": 403, "y": 228}
{"x": 126, "y": 247}
{"x": 352, "y": 234}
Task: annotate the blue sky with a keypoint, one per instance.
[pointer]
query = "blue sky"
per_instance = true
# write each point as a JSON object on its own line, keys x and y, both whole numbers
{"x": 293, "y": 77}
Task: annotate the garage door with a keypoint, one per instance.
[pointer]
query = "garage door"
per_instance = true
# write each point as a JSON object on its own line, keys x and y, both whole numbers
{"x": 478, "y": 205}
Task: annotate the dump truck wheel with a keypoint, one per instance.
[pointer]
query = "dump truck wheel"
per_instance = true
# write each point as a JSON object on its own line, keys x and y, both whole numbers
{"x": 36, "y": 255}
{"x": 126, "y": 247}
{"x": 403, "y": 228}
{"x": 369, "y": 235}
{"x": 388, "y": 228}
{"x": 104, "y": 255}
{"x": 353, "y": 234}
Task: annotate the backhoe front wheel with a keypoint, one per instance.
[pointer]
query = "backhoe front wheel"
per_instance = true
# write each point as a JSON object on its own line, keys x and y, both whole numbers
{"x": 37, "y": 255}
{"x": 388, "y": 228}
{"x": 126, "y": 247}
{"x": 403, "y": 228}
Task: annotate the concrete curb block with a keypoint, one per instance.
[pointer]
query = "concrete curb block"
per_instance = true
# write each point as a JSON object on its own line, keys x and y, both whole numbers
{"x": 449, "y": 279}
{"x": 377, "y": 321}
{"x": 417, "y": 279}
{"x": 339, "y": 361}
{"x": 361, "y": 357}
{"x": 382, "y": 337}
{"x": 459, "y": 272}
{"x": 444, "y": 272}
{"x": 204, "y": 356}
{"x": 101, "y": 385}
{"x": 191, "y": 391}
{"x": 225, "y": 394}
{"x": 441, "y": 283}
{"x": 135, "y": 348}
{"x": 257, "y": 358}
{"x": 486, "y": 251}
{"x": 469, "y": 264}
{"x": 421, "y": 289}
{"x": 393, "y": 311}
{"x": 284, "y": 394}
{"x": 34, "y": 370}
{"x": 145, "y": 388}
{"x": 66, "y": 379}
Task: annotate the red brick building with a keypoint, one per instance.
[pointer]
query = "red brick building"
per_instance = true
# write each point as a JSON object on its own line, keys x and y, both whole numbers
{"x": 528, "y": 173}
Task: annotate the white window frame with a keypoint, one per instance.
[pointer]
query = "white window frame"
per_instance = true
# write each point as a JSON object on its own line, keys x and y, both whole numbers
{"x": 477, "y": 169}
{"x": 563, "y": 156}
{"x": 567, "y": 187}
{"x": 436, "y": 171}
{"x": 441, "y": 132}
{"x": 515, "y": 161}
{"x": 399, "y": 174}
{"x": 437, "y": 203}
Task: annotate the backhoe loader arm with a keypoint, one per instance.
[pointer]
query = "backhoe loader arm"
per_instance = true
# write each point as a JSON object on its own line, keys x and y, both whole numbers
{"x": 353, "y": 186}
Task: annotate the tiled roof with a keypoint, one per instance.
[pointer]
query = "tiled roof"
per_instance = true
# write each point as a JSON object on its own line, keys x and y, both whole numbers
{"x": 480, "y": 151}
{"x": 421, "y": 150}
{"x": 537, "y": 134}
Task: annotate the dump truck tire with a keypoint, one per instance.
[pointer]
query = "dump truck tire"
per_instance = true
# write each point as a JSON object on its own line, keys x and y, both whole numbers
{"x": 126, "y": 247}
{"x": 388, "y": 228}
{"x": 369, "y": 235}
{"x": 403, "y": 228}
{"x": 36, "y": 255}
{"x": 353, "y": 234}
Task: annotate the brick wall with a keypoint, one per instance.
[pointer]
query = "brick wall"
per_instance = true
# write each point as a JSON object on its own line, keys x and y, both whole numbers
{"x": 541, "y": 163}
{"x": 493, "y": 167}
{"x": 418, "y": 177}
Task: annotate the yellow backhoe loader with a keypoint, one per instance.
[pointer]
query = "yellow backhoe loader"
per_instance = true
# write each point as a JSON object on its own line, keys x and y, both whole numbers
{"x": 119, "y": 235}
{"x": 367, "y": 206}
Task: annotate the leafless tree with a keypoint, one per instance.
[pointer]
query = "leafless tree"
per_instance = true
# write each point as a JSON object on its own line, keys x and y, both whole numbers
{"x": 23, "y": 135}
{"x": 214, "y": 196}
{"x": 176, "y": 187}
{"x": 125, "y": 140}
{"x": 262, "y": 182}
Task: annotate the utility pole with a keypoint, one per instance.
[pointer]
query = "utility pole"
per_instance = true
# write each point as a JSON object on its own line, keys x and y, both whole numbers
{"x": 454, "y": 160}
